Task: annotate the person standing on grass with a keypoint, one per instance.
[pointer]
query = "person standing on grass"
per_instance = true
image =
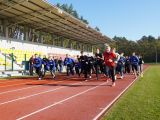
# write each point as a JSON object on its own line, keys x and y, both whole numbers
{"x": 109, "y": 59}
{"x": 134, "y": 62}
{"x": 141, "y": 62}
{"x": 38, "y": 66}
{"x": 120, "y": 65}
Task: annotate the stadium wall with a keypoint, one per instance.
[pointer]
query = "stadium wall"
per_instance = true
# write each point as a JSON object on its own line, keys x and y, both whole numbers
{"x": 38, "y": 47}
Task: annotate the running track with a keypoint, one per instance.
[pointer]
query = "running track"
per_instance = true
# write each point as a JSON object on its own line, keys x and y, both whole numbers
{"x": 60, "y": 99}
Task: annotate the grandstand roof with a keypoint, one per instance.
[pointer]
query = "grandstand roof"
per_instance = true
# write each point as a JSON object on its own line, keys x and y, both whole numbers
{"x": 42, "y": 15}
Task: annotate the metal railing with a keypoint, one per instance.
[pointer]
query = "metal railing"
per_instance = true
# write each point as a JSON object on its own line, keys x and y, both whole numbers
{"x": 10, "y": 62}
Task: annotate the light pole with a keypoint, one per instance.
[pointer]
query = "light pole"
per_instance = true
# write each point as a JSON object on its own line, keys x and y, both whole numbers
{"x": 156, "y": 53}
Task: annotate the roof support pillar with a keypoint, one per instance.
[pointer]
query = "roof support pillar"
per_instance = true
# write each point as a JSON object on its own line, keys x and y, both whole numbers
{"x": 92, "y": 48}
{"x": 62, "y": 42}
{"x": 69, "y": 44}
{"x": 26, "y": 33}
{"x": 53, "y": 38}
{"x": 82, "y": 47}
{"x": 6, "y": 29}
{"x": 2, "y": 28}
{"x": 40, "y": 37}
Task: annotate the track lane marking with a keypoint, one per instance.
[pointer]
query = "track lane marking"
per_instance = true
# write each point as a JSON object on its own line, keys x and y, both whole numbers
{"x": 60, "y": 102}
{"x": 10, "y": 91}
{"x": 97, "y": 117}
{"x": 33, "y": 95}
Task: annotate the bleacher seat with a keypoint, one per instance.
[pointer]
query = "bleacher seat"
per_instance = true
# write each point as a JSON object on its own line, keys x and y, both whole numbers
{"x": 19, "y": 54}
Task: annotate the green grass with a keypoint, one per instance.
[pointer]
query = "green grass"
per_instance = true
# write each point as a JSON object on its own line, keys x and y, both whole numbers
{"x": 142, "y": 101}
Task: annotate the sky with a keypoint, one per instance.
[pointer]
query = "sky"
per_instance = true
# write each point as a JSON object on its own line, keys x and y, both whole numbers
{"x": 124, "y": 18}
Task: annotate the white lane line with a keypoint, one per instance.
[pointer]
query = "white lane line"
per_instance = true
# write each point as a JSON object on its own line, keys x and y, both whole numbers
{"x": 101, "y": 113}
{"x": 60, "y": 102}
{"x": 111, "y": 103}
{"x": 10, "y": 91}
{"x": 33, "y": 95}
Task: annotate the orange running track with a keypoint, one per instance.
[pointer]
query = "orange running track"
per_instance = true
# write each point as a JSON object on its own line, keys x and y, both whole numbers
{"x": 61, "y": 99}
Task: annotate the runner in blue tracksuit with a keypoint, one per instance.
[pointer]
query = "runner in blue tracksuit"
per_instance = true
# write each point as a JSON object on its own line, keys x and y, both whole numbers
{"x": 127, "y": 65}
{"x": 69, "y": 63}
{"x": 52, "y": 66}
{"x": 60, "y": 65}
{"x": 77, "y": 67}
{"x": 38, "y": 66}
{"x": 121, "y": 65}
{"x": 45, "y": 65}
{"x": 134, "y": 62}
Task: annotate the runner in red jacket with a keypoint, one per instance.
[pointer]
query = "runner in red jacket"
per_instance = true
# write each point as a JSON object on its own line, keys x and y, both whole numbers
{"x": 109, "y": 59}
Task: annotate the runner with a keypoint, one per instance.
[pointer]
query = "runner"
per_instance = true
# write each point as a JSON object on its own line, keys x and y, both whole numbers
{"x": 120, "y": 65}
{"x": 99, "y": 68}
{"x": 31, "y": 62}
{"x": 134, "y": 62}
{"x": 60, "y": 65}
{"x": 77, "y": 67}
{"x": 45, "y": 65}
{"x": 141, "y": 62}
{"x": 127, "y": 65}
{"x": 99, "y": 60}
{"x": 109, "y": 58}
{"x": 38, "y": 66}
{"x": 87, "y": 67}
{"x": 56, "y": 62}
{"x": 69, "y": 63}
{"x": 82, "y": 62}
{"x": 116, "y": 61}
{"x": 52, "y": 66}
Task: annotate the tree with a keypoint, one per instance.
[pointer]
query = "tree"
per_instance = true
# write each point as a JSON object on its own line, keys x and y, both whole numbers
{"x": 97, "y": 28}
{"x": 147, "y": 46}
{"x": 58, "y": 5}
{"x": 70, "y": 9}
{"x": 75, "y": 14}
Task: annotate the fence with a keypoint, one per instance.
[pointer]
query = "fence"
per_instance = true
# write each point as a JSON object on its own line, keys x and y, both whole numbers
{"x": 12, "y": 62}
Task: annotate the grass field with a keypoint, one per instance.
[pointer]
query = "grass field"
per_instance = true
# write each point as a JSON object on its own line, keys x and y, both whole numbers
{"x": 142, "y": 101}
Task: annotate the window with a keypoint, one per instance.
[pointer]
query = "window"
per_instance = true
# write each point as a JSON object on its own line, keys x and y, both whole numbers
{"x": 47, "y": 38}
{"x": 16, "y": 32}
{"x": 66, "y": 43}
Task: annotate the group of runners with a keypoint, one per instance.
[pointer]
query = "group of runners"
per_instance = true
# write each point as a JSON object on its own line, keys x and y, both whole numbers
{"x": 109, "y": 63}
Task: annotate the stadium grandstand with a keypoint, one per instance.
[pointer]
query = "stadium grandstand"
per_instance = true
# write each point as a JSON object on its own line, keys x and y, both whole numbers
{"x": 36, "y": 26}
